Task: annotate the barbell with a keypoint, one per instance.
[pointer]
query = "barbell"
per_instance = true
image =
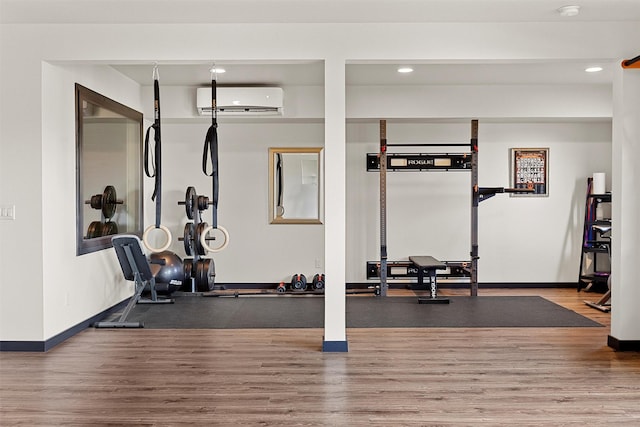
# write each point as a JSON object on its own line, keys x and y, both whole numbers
{"x": 193, "y": 202}
{"x": 106, "y": 202}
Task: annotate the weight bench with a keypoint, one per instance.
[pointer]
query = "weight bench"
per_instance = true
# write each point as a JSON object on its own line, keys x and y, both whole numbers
{"x": 430, "y": 265}
{"x": 138, "y": 268}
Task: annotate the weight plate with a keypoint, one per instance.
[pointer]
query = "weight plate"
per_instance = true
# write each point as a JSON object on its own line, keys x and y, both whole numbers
{"x": 205, "y": 275}
{"x": 203, "y": 203}
{"x": 109, "y": 201}
{"x": 211, "y": 272}
{"x": 94, "y": 230}
{"x": 109, "y": 228}
{"x": 198, "y": 244}
{"x": 190, "y": 202}
{"x": 187, "y": 272}
{"x": 96, "y": 201}
{"x": 188, "y": 238}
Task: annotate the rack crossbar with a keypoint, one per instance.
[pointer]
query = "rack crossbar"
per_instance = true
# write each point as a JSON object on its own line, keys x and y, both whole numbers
{"x": 420, "y": 162}
{"x": 407, "y": 269}
{"x": 437, "y": 144}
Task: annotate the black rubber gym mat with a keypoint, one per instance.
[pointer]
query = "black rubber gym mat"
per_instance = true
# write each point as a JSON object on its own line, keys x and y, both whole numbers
{"x": 194, "y": 312}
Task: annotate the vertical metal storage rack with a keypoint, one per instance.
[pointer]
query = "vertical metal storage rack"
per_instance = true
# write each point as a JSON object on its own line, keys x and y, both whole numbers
{"x": 595, "y": 253}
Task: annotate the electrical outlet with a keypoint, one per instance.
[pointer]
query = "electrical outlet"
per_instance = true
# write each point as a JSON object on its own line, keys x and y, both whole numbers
{"x": 8, "y": 212}
{"x": 317, "y": 262}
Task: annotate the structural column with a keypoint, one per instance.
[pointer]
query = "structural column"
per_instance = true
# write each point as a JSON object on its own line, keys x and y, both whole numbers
{"x": 625, "y": 236}
{"x": 335, "y": 207}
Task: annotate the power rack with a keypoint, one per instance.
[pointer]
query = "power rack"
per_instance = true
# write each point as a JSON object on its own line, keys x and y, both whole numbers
{"x": 383, "y": 161}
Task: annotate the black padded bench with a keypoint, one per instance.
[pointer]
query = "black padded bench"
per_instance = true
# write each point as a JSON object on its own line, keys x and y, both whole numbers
{"x": 430, "y": 265}
{"x": 137, "y": 268}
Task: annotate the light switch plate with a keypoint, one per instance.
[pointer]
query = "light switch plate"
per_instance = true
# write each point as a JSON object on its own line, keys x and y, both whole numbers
{"x": 8, "y": 212}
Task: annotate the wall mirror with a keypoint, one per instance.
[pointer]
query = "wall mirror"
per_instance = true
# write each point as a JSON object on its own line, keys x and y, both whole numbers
{"x": 108, "y": 170}
{"x": 295, "y": 185}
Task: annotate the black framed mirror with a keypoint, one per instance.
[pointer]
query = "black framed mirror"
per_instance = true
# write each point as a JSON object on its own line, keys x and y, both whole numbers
{"x": 108, "y": 170}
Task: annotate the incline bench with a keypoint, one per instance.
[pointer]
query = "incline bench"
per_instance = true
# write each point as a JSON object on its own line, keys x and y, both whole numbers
{"x": 430, "y": 265}
{"x": 137, "y": 268}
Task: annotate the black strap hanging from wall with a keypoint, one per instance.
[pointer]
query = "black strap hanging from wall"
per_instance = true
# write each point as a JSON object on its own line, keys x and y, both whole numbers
{"x": 280, "y": 185}
{"x": 210, "y": 154}
{"x": 156, "y": 160}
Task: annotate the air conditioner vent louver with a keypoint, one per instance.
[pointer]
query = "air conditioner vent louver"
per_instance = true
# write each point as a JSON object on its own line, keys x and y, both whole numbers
{"x": 242, "y": 101}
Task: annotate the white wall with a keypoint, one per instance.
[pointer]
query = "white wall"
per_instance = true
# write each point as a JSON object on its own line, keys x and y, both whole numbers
{"x": 258, "y": 252}
{"x": 487, "y": 101}
{"x": 74, "y": 287}
{"x": 39, "y": 270}
{"x": 624, "y": 275}
{"x": 521, "y": 239}
{"x": 45, "y": 287}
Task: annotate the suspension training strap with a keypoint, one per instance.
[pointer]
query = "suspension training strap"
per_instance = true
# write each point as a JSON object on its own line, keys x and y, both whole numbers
{"x": 156, "y": 160}
{"x": 211, "y": 151}
{"x": 280, "y": 184}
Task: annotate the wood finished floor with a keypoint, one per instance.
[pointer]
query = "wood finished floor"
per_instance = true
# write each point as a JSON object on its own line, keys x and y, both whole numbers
{"x": 389, "y": 377}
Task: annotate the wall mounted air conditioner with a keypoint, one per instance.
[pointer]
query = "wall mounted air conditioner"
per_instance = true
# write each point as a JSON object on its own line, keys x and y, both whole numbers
{"x": 242, "y": 101}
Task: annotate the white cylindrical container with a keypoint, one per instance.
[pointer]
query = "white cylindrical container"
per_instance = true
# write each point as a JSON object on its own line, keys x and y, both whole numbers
{"x": 599, "y": 183}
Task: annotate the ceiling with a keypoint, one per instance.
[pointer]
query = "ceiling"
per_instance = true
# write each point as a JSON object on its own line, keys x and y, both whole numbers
{"x": 309, "y": 11}
{"x": 312, "y": 73}
{"x": 334, "y": 11}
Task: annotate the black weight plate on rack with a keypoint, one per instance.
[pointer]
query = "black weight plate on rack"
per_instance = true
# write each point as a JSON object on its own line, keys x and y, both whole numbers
{"x": 198, "y": 245}
{"x": 188, "y": 238}
{"x": 190, "y": 202}
{"x": 109, "y": 228}
{"x": 109, "y": 201}
{"x": 187, "y": 272}
{"x": 94, "y": 230}
{"x": 205, "y": 275}
{"x": 203, "y": 203}
{"x": 96, "y": 201}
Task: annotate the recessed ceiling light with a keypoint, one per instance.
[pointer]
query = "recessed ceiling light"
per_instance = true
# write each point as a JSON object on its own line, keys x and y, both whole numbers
{"x": 217, "y": 70}
{"x": 570, "y": 10}
{"x": 405, "y": 70}
{"x": 593, "y": 69}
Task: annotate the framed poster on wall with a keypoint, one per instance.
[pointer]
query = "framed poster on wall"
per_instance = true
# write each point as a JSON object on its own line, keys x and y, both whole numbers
{"x": 530, "y": 169}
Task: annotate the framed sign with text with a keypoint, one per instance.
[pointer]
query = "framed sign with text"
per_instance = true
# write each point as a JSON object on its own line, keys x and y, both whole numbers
{"x": 530, "y": 169}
